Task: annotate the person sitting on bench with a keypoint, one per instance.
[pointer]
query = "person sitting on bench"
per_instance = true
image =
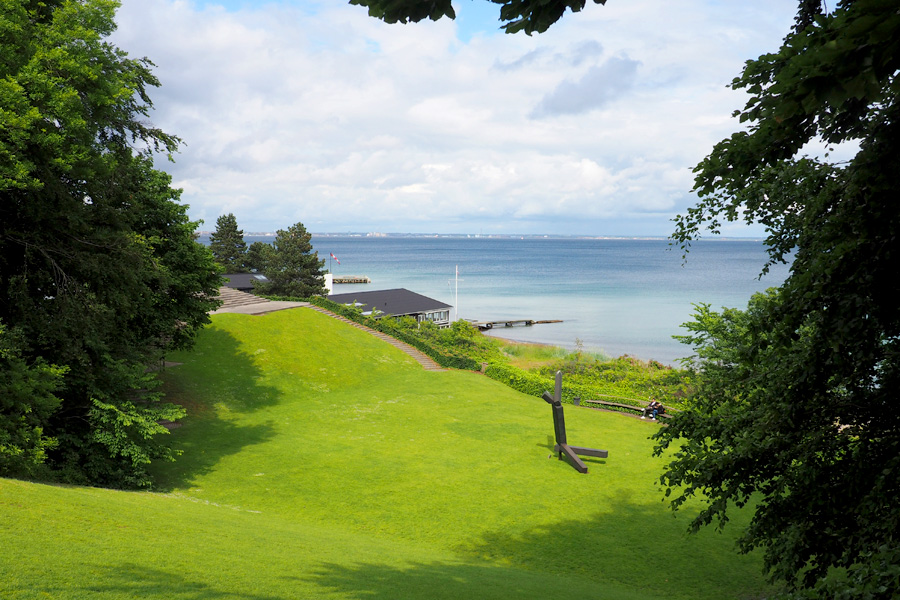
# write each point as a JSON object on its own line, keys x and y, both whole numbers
{"x": 653, "y": 409}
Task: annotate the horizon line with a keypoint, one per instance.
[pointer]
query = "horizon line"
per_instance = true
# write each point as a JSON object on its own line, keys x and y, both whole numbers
{"x": 377, "y": 234}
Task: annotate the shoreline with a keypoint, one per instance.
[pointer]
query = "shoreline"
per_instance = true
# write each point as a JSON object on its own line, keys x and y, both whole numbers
{"x": 619, "y": 297}
{"x": 590, "y": 349}
{"x": 597, "y": 353}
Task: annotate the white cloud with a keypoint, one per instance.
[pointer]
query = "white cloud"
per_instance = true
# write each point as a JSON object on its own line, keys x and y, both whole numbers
{"x": 318, "y": 113}
{"x": 599, "y": 86}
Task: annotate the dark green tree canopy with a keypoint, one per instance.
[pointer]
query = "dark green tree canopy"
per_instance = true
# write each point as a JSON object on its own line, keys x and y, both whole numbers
{"x": 294, "y": 268}
{"x": 796, "y": 406}
{"x": 27, "y": 400}
{"x": 529, "y": 16}
{"x": 258, "y": 256}
{"x": 99, "y": 272}
{"x": 228, "y": 246}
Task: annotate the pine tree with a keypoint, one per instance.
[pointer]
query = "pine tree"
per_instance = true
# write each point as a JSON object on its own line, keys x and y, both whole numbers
{"x": 227, "y": 244}
{"x": 294, "y": 269}
{"x": 258, "y": 256}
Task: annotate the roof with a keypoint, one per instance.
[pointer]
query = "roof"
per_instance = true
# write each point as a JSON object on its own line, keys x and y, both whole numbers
{"x": 395, "y": 302}
{"x": 243, "y": 281}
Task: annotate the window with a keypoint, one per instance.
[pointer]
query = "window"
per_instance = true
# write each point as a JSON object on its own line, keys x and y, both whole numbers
{"x": 436, "y": 316}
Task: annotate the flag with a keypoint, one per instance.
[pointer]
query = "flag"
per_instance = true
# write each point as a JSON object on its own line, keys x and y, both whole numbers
{"x": 335, "y": 258}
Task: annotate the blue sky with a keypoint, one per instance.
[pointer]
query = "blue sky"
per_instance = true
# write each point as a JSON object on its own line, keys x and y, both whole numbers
{"x": 314, "y": 112}
{"x": 472, "y": 16}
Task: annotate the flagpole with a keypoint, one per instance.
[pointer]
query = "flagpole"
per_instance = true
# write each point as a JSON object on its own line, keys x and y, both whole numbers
{"x": 456, "y": 301}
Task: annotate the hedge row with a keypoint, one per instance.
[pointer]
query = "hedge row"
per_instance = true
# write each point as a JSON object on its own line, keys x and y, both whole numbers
{"x": 534, "y": 384}
{"x": 283, "y": 298}
{"x": 453, "y": 361}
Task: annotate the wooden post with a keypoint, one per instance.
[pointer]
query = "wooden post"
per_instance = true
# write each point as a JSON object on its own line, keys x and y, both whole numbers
{"x": 559, "y": 424}
{"x": 557, "y": 389}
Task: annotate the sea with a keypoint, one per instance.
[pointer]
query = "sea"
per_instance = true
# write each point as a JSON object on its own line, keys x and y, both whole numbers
{"x": 617, "y": 296}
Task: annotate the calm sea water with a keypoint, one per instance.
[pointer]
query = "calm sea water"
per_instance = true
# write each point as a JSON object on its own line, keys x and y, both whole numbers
{"x": 620, "y": 296}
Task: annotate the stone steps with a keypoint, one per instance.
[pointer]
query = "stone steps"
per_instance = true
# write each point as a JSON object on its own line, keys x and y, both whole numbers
{"x": 231, "y": 297}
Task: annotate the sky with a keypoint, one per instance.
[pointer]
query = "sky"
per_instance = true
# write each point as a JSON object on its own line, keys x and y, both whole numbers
{"x": 314, "y": 112}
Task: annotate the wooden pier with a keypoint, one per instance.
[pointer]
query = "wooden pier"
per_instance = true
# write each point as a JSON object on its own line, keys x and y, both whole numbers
{"x": 352, "y": 279}
{"x": 485, "y": 325}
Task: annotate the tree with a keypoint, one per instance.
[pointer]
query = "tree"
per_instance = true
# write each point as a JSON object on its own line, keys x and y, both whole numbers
{"x": 26, "y": 401}
{"x": 294, "y": 268}
{"x": 227, "y": 245}
{"x": 795, "y": 412}
{"x": 520, "y": 15}
{"x": 99, "y": 273}
{"x": 258, "y": 256}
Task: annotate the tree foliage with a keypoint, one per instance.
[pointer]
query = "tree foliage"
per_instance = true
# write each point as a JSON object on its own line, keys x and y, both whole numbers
{"x": 227, "y": 245}
{"x": 258, "y": 256}
{"x": 796, "y": 406}
{"x": 294, "y": 268}
{"x": 26, "y": 401}
{"x": 529, "y": 16}
{"x": 99, "y": 272}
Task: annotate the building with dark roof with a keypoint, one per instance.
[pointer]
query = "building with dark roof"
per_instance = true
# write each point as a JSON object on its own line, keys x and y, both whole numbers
{"x": 397, "y": 303}
{"x": 243, "y": 281}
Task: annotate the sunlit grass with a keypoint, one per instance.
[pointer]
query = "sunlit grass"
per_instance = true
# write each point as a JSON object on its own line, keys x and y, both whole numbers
{"x": 320, "y": 462}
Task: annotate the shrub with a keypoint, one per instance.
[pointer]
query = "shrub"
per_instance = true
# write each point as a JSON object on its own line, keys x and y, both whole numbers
{"x": 535, "y": 384}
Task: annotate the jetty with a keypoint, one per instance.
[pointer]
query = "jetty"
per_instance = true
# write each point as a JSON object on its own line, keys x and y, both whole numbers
{"x": 485, "y": 325}
{"x": 351, "y": 279}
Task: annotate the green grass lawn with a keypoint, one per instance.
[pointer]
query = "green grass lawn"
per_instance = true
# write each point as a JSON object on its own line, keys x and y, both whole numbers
{"x": 320, "y": 462}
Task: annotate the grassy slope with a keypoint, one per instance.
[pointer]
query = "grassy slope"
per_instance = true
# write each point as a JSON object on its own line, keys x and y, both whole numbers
{"x": 320, "y": 462}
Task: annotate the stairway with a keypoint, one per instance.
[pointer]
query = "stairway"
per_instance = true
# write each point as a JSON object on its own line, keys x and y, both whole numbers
{"x": 231, "y": 297}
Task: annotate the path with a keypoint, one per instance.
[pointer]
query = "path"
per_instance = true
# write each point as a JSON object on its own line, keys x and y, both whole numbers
{"x": 426, "y": 361}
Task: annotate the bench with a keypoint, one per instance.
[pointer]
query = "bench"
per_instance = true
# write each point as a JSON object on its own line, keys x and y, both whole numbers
{"x": 637, "y": 409}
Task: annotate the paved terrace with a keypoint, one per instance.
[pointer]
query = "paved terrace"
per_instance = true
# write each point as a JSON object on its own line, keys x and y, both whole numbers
{"x": 234, "y": 301}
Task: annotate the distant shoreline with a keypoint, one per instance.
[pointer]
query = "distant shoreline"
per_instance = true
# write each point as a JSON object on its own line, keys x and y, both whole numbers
{"x": 497, "y": 236}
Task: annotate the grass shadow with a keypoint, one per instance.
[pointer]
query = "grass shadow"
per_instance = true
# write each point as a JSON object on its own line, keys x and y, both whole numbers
{"x": 551, "y": 447}
{"x": 139, "y": 581}
{"x": 227, "y": 373}
{"x": 605, "y": 556}
{"x": 219, "y": 377}
{"x": 613, "y": 544}
{"x": 451, "y": 581}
